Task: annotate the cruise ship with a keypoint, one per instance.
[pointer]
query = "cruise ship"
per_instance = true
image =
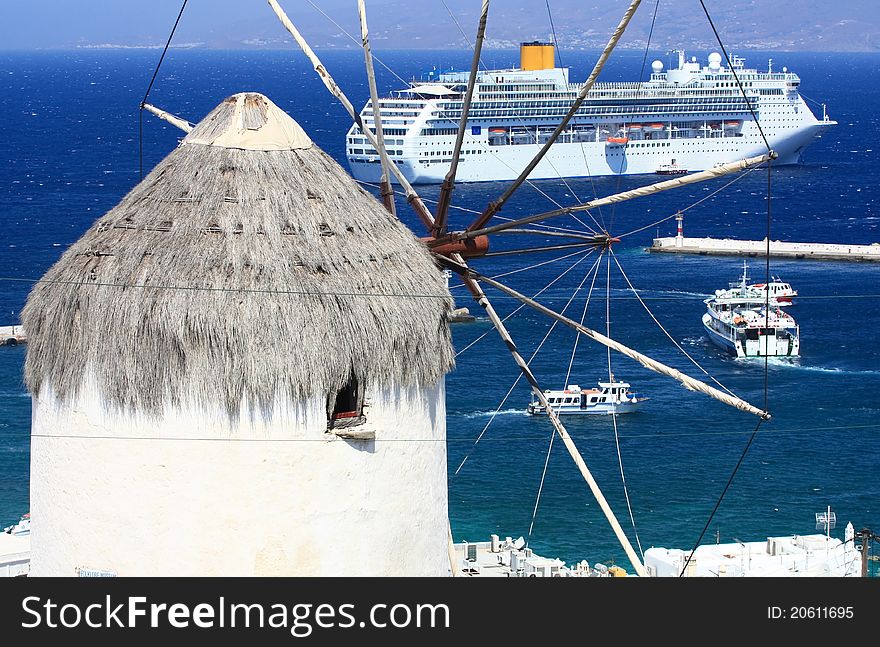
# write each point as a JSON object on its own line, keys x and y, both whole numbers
{"x": 692, "y": 117}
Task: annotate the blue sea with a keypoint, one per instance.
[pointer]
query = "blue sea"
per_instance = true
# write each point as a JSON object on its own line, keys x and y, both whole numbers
{"x": 70, "y": 152}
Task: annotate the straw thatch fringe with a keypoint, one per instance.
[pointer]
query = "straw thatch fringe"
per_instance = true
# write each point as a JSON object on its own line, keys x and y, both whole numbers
{"x": 232, "y": 220}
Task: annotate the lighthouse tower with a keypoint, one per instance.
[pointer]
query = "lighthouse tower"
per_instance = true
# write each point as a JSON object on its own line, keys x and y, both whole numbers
{"x": 239, "y": 370}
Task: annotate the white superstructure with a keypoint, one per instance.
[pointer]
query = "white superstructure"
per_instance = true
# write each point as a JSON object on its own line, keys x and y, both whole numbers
{"x": 739, "y": 320}
{"x": 692, "y": 117}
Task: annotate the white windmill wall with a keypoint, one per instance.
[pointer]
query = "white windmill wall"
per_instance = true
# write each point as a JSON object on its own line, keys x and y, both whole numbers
{"x": 193, "y": 494}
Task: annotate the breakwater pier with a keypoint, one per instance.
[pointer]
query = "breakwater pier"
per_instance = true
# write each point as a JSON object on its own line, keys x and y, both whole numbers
{"x": 732, "y": 247}
{"x": 679, "y": 244}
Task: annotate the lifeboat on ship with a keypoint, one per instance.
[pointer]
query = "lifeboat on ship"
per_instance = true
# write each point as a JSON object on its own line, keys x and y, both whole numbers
{"x": 620, "y": 139}
{"x": 655, "y": 127}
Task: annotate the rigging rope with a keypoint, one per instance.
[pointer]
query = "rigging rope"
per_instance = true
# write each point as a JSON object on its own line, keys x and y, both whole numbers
{"x": 721, "y": 497}
{"x": 553, "y": 30}
{"x": 541, "y": 488}
{"x": 766, "y": 299}
{"x": 534, "y": 354}
{"x": 577, "y": 336}
{"x": 150, "y": 87}
{"x": 442, "y": 117}
{"x": 522, "y": 305}
{"x": 508, "y": 104}
{"x": 595, "y": 438}
{"x": 614, "y": 408}
{"x": 632, "y": 518}
{"x": 665, "y": 332}
{"x": 465, "y": 209}
{"x": 736, "y": 178}
{"x": 638, "y": 93}
{"x": 523, "y": 123}
{"x": 735, "y": 76}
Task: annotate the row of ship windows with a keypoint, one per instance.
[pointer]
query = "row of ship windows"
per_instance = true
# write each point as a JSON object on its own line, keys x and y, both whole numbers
{"x": 370, "y": 151}
{"x": 413, "y": 112}
{"x": 393, "y": 152}
{"x": 372, "y": 161}
{"x": 647, "y": 112}
{"x": 385, "y": 131}
{"x": 362, "y": 141}
{"x": 598, "y": 96}
{"x": 519, "y": 87}
{"x": 441, "y": 153}
{"x": 629, "y": 147}
{"x": 383, "y": 103}
{"x": 645, "y": 101}
{"x": 614, "y": 93}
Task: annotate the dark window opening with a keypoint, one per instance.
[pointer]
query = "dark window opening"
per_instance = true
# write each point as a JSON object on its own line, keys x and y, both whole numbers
{"x": 345, "y": 408}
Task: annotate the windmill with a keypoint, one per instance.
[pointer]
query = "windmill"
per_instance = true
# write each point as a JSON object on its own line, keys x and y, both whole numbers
{"x": 459, "y": 250}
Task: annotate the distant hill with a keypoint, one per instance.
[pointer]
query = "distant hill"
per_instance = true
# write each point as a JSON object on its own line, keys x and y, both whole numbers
{"x": 816, "y": 25}
{"x": 812, "y": 25}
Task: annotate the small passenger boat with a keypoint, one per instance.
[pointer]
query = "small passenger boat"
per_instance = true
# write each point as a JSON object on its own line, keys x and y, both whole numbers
{"x": 670, "y": 169}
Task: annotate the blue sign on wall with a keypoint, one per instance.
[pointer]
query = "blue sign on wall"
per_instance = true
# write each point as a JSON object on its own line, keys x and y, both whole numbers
{"x": 476, "y": 130}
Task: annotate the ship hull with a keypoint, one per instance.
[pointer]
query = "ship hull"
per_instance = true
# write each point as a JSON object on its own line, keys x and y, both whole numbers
{"x": 599, "y": 409}
{"x": 765, "y": 345}
{"x": 593, "y": 159}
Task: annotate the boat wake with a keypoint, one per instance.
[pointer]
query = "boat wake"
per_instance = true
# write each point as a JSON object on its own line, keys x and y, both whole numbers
{"x": 489, "y": 414}
{"x": 677, "y": 293}
{"x": 778, "y": 362}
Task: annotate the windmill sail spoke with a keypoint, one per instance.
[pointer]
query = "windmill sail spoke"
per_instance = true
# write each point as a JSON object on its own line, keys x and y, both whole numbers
{"x": 534, "y": 250}
{"x": 484, "y": 302}
{"x": 650, "y": 189}
{"x": 385, "y": 181}
{"x": 687, "y": 381}
{"x": 449, "y": 182}
{"x": 412, "y": 197}
{"x": 495, "y": 206}
{"x": 559, "y": 234}
{"x": 174, "y": 120}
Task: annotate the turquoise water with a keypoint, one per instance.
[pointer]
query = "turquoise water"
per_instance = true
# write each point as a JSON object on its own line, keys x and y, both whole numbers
{"x": 71, "y": 152}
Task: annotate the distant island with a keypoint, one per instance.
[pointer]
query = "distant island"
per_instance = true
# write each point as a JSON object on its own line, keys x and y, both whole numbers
{"x": 805, "y": 25}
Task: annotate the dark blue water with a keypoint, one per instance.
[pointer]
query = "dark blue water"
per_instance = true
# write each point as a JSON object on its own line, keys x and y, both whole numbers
{"x": 70, "y": 152}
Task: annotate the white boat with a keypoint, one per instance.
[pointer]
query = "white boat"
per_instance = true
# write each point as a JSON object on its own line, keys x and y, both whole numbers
{"x": 781, "y": 293}
{"x": 738, "y": 320}
{"x": 694, "y": 114}
{"x": 23, "y": 527}
{"x": 610, "y": 397}
{"x": 670, "y": 169}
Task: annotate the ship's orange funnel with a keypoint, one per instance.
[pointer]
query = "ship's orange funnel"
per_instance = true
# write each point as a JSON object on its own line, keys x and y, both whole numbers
{"x": 536, "y": 56}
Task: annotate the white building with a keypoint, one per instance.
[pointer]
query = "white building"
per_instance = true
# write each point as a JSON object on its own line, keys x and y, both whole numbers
{"x": 791, "y": 556}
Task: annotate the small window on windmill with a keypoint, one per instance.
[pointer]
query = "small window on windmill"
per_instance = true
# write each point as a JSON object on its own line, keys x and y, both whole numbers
{"x": 345, "y": 408}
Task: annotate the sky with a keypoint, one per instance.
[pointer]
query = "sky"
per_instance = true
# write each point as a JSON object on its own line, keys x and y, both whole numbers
{"x": 796, "y": 24}
{"x": 37, "y": 24}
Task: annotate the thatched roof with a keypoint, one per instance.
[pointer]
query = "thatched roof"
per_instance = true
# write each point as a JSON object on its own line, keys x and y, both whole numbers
{"x": 269, "y": 273}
